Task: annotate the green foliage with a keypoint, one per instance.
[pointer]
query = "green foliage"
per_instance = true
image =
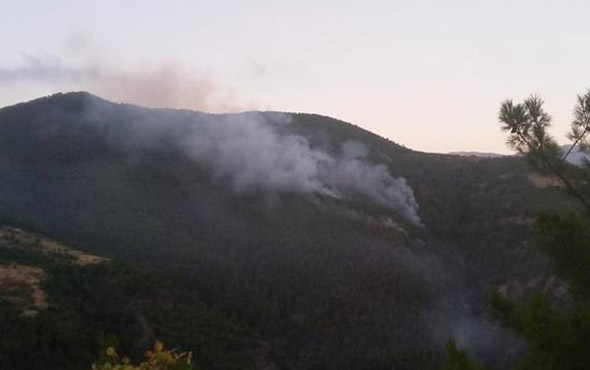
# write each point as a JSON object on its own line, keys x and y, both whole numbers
{"x": 556, "y": 338}
{"x": 566, "y": 239}
{"x": 581, "y": 123}
{"x": 557, "y": 333}
{"x": 158, "y": 359}
{"x": 457, "y": 359}
{"x": 527, "y": 124}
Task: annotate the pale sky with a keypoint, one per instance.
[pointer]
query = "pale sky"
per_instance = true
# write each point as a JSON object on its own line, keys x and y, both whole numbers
{"x": 426, "y": 74}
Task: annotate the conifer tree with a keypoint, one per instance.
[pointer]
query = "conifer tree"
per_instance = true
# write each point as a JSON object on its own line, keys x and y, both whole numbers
{"x": 557, "y": 335}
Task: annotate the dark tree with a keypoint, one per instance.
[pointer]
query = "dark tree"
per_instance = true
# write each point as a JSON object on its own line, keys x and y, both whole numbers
{"x": 557, "y": 334}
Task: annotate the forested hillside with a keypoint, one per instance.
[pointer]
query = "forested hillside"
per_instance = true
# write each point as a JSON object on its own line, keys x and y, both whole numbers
{"x": 60, "y": 307}
{"x": 260, "y": 240}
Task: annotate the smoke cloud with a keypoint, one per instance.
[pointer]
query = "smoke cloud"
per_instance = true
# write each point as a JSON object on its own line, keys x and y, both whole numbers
{"x": 256, "y": 152}
{"x": 170, "y": 85}
{"x": 253, "y": 152}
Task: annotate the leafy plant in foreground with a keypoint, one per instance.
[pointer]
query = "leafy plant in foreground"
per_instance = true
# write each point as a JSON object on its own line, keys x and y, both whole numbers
{"x": 158, "y": 359}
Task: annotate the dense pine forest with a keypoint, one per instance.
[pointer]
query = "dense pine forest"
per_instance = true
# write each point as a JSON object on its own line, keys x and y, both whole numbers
{"x": 250, "y": 270}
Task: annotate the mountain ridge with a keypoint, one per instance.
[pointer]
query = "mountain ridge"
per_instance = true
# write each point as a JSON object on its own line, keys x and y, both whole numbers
{"x": 85, "y": 95}
{"x": 301, "y": 227}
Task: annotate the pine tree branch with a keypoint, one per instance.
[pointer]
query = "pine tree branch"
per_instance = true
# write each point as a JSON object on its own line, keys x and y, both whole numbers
{"x": 558, "y": 171}
{"x": 564, "y": 158}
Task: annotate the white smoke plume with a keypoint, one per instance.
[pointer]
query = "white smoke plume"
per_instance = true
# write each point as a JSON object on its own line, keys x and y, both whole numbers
{"x": 253, "y": 152}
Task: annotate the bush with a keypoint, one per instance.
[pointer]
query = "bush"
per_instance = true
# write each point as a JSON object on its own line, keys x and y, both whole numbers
{"x": 158, "y": 359}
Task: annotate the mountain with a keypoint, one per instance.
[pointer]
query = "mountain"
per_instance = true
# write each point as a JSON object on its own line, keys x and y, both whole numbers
{"x": 576, "y": 156}
{"x": 325, "y": 245}
{"x": 477, "y": 154}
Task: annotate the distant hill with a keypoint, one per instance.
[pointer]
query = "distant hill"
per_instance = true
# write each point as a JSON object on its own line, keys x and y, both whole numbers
{"x": 576, "y": 156}
{"x": 329, "y": 246}
{"x": 477, "y": 154}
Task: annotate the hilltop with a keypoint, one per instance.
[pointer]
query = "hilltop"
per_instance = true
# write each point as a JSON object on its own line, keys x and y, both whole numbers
{"x": 332, "y": 246}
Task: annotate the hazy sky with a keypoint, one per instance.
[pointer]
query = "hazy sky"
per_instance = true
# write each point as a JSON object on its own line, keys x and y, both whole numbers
{"x": 426, "y": 74}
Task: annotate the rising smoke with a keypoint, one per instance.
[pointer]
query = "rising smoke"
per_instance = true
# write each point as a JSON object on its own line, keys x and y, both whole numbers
{"x": 164, "y": 85}
{"x": 251, "y": 151}
{"x": 256, "y": 152}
